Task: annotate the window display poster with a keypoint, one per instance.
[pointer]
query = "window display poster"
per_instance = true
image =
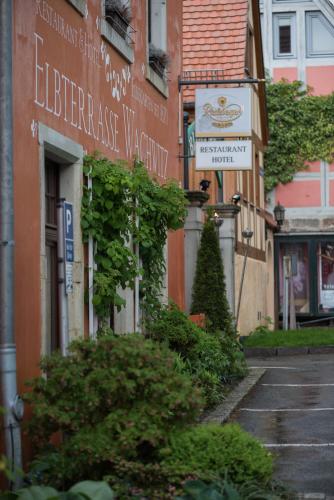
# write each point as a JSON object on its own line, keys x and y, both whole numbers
{"x": 300, "y": 274}
{"x": 326, "y": 276}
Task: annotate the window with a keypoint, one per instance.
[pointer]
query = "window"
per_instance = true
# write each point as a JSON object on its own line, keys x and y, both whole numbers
{"x": 284, "y": 35}
{"x": 115, "y": 26}
{"x": 51, "y": 242}
{"x": 157, "y": 36}
{"x": 325, "y": 255}
{"x": 299, "y": 253}
{"x": 319, "y": 35}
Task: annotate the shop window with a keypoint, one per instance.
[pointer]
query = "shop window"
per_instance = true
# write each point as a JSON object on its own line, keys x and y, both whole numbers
{"x": 325, "y": 254}
{"x": 51, "y": 243}
{"x": 319, "y": 35}
{"x": 299, "y": 253}
{"x": 158, "y": 59}
{"x": 284, "y": 35}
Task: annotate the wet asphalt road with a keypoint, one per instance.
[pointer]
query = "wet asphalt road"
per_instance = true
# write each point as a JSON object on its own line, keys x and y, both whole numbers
{"x": 297, "y": 418}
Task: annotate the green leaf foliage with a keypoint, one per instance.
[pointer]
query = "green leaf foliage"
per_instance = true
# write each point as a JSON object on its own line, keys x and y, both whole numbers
{"x": 97, "y": 490}
{"x": 114, "y": 399}
{"x": 211, "y": 359}
{"x": 86, "y": 490}
{"x": 227, "y": 490}
{"x": 301, "y": 129}
{"x": 126, "y": 207}
{"x": 210, "y": 450}
{"x": 209, "y": 290}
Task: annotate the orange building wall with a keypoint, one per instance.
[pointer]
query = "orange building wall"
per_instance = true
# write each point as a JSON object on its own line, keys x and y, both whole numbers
{"x": 57, "y": 51}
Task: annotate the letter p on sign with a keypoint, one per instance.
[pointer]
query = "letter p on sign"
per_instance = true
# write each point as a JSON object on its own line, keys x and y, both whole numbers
{"x": 68, "y": 210}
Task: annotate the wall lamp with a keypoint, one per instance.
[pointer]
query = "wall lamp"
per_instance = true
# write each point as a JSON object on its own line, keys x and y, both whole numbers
{"x": 204, "y": 184}
{"x": 279, "y": 214}
{"x": 247, "y": 234}
{"x": 236, "y": 198}
{"x": 217, "y": 219}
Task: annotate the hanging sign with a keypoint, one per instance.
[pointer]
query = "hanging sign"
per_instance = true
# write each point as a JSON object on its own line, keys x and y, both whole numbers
{"x": 223, "y": 112}
{"x": 224, "y": 155}
{"x": 69, "y": 246}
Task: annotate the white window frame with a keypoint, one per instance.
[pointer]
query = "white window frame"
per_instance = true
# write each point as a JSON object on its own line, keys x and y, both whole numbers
{"x": 310, "y": 53}
{"x": 80, "y": 6}
{"x": 291, "y": 16}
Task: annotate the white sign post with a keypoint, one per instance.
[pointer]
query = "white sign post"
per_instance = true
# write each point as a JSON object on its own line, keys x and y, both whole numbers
{"x": 224, "y": 155}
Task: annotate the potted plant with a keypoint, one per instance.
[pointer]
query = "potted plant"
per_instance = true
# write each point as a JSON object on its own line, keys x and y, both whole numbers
{"x": 158, "y": 60}
{"x": 118, "y": 15}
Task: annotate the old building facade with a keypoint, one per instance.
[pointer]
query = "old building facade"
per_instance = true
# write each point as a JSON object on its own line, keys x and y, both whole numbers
{"x": 85, "y": 78}
{"x": 222, "y": 41}
{"x": 298, "y": 41}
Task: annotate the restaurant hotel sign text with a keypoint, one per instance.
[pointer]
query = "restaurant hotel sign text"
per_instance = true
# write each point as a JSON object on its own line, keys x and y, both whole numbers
{"x": 223, "y": 114}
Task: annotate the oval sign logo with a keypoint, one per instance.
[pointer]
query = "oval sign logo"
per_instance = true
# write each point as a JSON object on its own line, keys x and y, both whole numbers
{"x": 223, "y": 115}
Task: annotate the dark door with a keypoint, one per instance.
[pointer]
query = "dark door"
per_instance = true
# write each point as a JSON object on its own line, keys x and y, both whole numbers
{"x": 51, "y": 237}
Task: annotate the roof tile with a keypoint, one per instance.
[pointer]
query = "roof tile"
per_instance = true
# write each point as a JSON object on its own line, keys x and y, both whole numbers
{"x": 214, "y": 36}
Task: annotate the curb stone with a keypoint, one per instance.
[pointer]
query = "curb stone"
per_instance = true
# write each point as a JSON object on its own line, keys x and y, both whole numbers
{"x": 292, "y": 351}
{"x": 223, "y": 411}
{"x": 314, "y": 496}
{"x": 268, "y": 352}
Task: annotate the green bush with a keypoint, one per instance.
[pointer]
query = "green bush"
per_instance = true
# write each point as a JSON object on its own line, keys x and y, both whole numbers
{"x": 233, "y": 350}
{"x": 211, "y": 450}
{"x": 117, "y": 397}
{"x": 204, "y": 358}
{"x": 209, "y": 290}
{"x": 173, "y": 327}
{"x": 211, "y": 359}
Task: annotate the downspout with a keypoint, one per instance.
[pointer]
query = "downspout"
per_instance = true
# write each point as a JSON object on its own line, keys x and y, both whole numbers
{"x": 9, "y": 398}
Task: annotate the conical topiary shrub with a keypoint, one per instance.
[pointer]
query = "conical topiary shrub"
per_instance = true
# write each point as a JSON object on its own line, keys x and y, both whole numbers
{"x": 209, "y": 290}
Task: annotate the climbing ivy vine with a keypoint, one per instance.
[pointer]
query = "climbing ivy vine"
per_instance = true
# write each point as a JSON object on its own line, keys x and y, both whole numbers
{"x": 301, "y": 129}
{"x": 125, "y": 208}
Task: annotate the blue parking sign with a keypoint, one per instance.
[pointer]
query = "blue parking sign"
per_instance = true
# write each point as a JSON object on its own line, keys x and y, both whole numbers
{"x": 68, "y": 216}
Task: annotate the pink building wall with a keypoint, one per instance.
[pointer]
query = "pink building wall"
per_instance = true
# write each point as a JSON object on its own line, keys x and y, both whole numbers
{"x": 298, "y": 194}
{"x": 321, "y": 79}
{"x": 289, "y": 74}
{"x": 306, "y": 192}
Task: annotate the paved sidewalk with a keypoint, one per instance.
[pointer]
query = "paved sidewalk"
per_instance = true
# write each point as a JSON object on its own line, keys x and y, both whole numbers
{"x": 291, "y": 410}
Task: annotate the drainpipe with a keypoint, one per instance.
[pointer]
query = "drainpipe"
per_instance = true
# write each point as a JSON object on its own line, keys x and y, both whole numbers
{"x": 185, "y": 152}
{"x": 10, "y": 400}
